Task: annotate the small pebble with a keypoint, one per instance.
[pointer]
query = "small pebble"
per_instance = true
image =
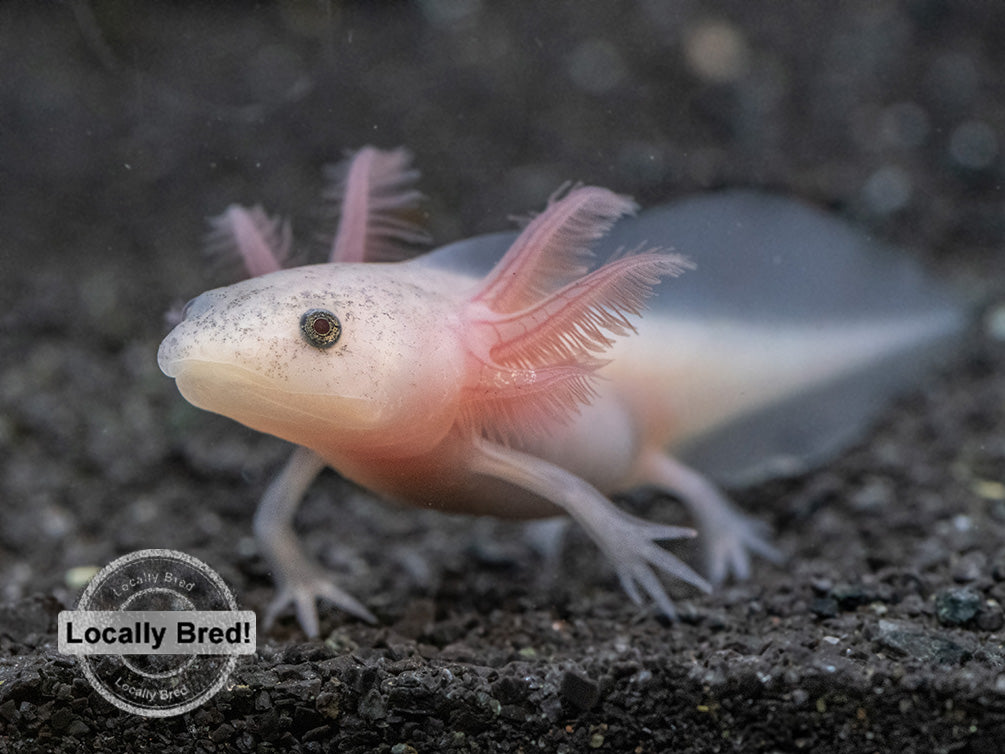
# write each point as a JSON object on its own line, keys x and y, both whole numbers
{"x": 579, "y": 690}
{"x": 824, "y": 607}
{"x": 956, "y": 606}
{"x": 990, "y": 617}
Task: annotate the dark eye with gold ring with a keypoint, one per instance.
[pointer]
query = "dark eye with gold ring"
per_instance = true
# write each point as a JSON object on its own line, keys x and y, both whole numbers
{"x": 320, "y": 327}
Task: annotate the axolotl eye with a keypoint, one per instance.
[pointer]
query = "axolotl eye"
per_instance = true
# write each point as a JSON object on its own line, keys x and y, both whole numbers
{"x": 320, "y": 327}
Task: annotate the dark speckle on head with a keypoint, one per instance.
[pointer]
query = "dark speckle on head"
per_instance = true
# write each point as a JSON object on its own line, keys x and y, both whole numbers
{"x": 320, "y": 327}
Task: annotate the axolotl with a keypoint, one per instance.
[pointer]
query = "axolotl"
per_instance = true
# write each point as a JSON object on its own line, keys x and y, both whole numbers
{"x": 511, "y": 375}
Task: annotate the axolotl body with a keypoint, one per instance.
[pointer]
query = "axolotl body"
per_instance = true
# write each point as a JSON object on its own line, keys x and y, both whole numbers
{"x": 509, "y": 375}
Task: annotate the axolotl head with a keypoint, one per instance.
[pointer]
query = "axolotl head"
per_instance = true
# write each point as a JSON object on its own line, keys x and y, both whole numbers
{"x": 326, "y": 356}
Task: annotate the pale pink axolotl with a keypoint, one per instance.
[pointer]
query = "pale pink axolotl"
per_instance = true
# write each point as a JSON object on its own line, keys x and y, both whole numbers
{"x": 508, "y": 376}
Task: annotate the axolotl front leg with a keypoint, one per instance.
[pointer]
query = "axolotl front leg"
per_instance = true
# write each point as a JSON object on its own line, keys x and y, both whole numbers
{"x": 627, "y": 541}
{"x": 300, "y": 581}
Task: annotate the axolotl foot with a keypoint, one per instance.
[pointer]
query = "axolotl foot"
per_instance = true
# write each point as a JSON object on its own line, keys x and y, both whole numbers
{"x": 729, "y": 544}
{"x": 301, "y": 587}
{"x": 630, "y": 544}
{"x": 300, "y": 581}
{"x": 729, "y": 536}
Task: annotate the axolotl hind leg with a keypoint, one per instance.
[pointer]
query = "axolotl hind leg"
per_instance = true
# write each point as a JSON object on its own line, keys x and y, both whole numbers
{"x": 728, "y": 535}
{"x": 300, "y": 581}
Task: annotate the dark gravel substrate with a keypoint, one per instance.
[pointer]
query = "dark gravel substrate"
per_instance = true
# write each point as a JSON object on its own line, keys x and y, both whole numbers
{"x": 123, "y": 125}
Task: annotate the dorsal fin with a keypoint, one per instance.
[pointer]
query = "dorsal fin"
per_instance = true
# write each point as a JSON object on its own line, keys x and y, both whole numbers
{"x": 377, "y": 205}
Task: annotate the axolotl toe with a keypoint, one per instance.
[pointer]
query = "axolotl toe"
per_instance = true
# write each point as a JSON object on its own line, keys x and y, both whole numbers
{"x": 510, "y": 375}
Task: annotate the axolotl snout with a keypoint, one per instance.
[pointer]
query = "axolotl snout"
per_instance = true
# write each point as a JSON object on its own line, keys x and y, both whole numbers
{"x": 509, "y": 375}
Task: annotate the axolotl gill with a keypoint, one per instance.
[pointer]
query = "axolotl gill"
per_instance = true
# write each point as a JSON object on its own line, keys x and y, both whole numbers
{"x": 511, "y": 375}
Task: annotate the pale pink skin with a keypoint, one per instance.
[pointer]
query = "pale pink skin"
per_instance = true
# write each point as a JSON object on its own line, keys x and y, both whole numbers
{"x": 445, "y": 391}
